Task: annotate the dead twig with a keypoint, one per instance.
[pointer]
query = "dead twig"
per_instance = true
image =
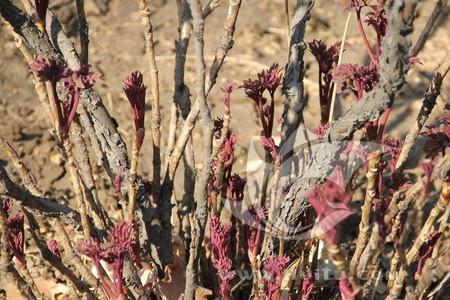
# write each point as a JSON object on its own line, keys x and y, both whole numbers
{"x": 154, "y": 87}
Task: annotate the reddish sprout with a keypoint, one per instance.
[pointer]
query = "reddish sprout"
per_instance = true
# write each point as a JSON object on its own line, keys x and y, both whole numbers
{"x": 135, "y": 89}
{"x": 268, "y": 80}
{"x": 84, "y": 78}
{"x": 6, "y": 206}
{"x": 254, "y": 89}
{"x": 271, "y": 79}
{"x": 274, "y": 267}
{"x": 69, "y": 106}
{"x": 92, "y": 248}
{"x": 393, "y": 147}
{"x": 16, "y": 235}
{"x": 308, "y": 285}
{"x": 253, "y": 227}
{"x": 123, "y": 238}
{"x": 355, "y": 78}
{"x": 219, "y": 237}
{"x": 376, "y": 18}
{"x": 223, "y": 266}
{"x": 74, "y": 83}
{"x": 226, "y": 153}
{"x": 321, "y": 131}
{"x": 347, "y": 291}
{"x": 331, "y": 205}
{"x": 52, "y": 246}
{"x": 426, "y": 250}
{"x": 227, "y": 89}
{"x": 428, "y": 170}
{"x": 438, "y": 140}
{"x": 235, "y": 188}
{"x": 118, "y": 184}
{"x": 49, "y": 69}
{"x": 221, "y": 262}
{"x": 327, "y": 59}
{"x": 271, "y": 148}
{"x": 121, "y": 243}
{"x": 414, "y": 60}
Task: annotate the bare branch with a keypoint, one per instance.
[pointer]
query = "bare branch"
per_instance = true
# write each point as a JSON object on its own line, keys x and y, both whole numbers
{"x": 84, "y": 32}
{"x": 429, "y": 102}
{"x": 439, "y": 8}
{"x": 40, "y": 205}
{"x": 293, "y": 78}
{"x": 154, "y": 87}
{"x": 200, "y": 194}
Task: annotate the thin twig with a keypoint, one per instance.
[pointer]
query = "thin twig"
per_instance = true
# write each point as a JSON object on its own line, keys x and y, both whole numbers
{"x": 154, "y": 87}
{"x": 341, "y": 53}
{"x": 441, "y": 205}
{"x": 135, "y": 149}
{"x": 84, "y": 32}
{"x": 439, "y": 8}
{"x": 73, "y": 171}
{"x": 54, "y": 261}
{"x": 429, "y": 102}
{"x": 101, "y": 219}
{"x": 287, "y": 14}
{"x": 210, "y": 7}
{"x": 69, "y": 253}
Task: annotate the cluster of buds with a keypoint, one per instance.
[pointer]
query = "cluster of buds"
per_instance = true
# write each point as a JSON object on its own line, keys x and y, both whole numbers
{"x": 327, "y": 59}
{"x": 52, "y": 246}
{"x": 268, "y": 80}
{"x": 221, "y": 262}
{"x": 321, "y": 131}
{"x": 121, "y": 242}
{"x": 274, "y": 267}
{"x": 355, "y": 78}
{"x": 74, "y": 82}
{"x": 376, "y": 18}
